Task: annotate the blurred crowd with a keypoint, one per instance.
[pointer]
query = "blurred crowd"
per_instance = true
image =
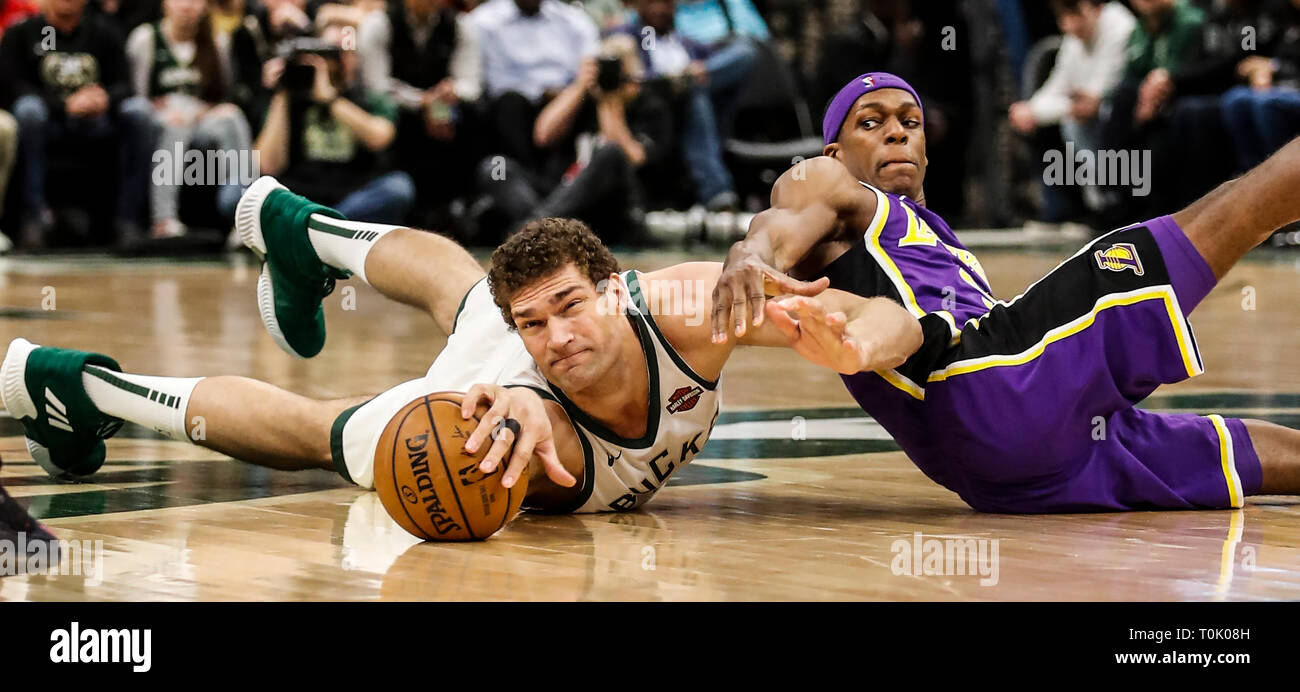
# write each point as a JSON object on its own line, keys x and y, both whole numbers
{"x": 136, "y": 122}
{"x": 1210, "y": 89}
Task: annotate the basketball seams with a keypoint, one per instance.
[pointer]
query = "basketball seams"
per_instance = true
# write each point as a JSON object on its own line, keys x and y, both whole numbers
{"x": 437, "y": 439}
{"x": 508, "y": 514}
{"x": 397, "y": 493}
{"x": 391, "y": 436}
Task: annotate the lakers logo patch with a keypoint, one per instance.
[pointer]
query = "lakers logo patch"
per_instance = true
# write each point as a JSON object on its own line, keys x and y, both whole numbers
{"x": 1119, "y": 257}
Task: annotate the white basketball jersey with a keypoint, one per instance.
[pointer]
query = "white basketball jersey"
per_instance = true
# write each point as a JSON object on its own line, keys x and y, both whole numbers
{"x": 623, "y": 474}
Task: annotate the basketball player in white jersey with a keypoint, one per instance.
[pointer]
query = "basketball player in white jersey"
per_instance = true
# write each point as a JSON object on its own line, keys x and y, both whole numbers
{"x": 609, "y": 399}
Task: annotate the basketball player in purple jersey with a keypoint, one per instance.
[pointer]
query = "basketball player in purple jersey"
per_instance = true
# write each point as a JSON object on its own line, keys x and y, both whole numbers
{"x": 1026, "y": 405}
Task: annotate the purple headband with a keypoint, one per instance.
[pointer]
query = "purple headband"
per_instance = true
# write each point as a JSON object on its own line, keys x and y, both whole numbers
{"x": 849, "y": 95}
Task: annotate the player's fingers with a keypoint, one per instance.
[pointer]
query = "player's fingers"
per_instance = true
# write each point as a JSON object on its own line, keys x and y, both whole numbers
{"x": 551, "y": 464}
{"x": 469, "y": 402}
{"x": 721, "y": 311}
{"x": 838, "y": 322}
{"x": 519, "y": 458}
{"x": 738, "y": 307}
{"x": 500, "y": 447}
{"x": 486, "y": 425}
{"x": 785, "y": 283}
{"x": 476, "y": 395}
{"x": 755, "y": 297}
{"x": 781, "y": 319}
{"x": 812, "y": 308}
{"x": 813, "y": 323}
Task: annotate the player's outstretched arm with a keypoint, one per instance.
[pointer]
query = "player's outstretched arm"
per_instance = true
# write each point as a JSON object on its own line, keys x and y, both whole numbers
{"x": 815, "y": 201}
{"x": 846, "y": 333}
{"x": 835, "y": 329}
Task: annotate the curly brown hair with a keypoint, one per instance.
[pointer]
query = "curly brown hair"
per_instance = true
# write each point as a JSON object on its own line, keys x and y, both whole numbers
{"x": 541, "y": 248}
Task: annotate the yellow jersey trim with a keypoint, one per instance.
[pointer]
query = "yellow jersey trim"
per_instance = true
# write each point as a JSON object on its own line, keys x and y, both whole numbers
{"x": 1228, "y": 460}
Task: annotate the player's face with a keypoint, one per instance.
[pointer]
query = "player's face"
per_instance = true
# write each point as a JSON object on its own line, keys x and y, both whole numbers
{"x": 566, "y": 328}
{"x": 882, "y": 142}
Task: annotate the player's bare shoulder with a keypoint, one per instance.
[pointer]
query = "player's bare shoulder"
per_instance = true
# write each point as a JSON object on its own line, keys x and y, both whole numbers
{"x": 824, "y": 181}
{"x": 677, "y": 299}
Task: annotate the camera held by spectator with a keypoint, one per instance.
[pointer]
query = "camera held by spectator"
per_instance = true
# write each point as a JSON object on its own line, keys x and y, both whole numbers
{"x": 325, "y": 135}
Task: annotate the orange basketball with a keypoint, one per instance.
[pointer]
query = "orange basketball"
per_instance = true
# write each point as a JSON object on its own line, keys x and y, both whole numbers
{"x": 430, "y": 485}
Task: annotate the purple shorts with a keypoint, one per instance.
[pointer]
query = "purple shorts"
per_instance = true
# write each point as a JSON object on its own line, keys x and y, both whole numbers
{"x": 1034, "y": 409}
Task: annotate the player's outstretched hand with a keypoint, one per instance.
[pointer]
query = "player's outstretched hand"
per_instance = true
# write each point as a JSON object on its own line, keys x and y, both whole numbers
{"x": 819, "y": 336}
{"x": 534, "y": 436}
{"x": 743, "y": 287}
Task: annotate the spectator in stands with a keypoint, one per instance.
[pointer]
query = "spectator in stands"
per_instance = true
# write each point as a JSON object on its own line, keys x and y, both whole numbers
{"x": 425, "y": 57}
{"x": 607, "y": 14}
{"x": 351, "y": 14}
{"x": 326, "y": 139}
{"x": 611, "y": 128}
{"x": 1168, "y": 36}
{"x": 1191, "y": 150}
{"x": 78, "y": 85}
{"x": 126, "y": 15}
{"x": 1088, "y": 65}
{"x": 11, "y": 12}
{"x": 1264, "y": 113}
{"x": 1168, "y": 41}
{"x": 728, "y": 29}
{"x": 182, "y": 67}
{"x": 254, "y": 52}
{"x": 226, "y": 16}
{"x": 14, "y": 11}
{"x": 682, "y": 65}
{"x": 531, "y": 51}
{"x": 715, "y": 23}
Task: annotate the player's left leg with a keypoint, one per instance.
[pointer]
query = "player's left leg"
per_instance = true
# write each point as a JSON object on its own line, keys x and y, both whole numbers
{"x": 1278, "y": 449}
{"x": 1233, "y": 218}
{"x": 68, "y": 402}
{"x": 308, "y": 247}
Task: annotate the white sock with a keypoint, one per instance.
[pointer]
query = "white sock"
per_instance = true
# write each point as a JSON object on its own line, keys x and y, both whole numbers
{"x": 345, "y": 244}
{"x": 158, "y": 403}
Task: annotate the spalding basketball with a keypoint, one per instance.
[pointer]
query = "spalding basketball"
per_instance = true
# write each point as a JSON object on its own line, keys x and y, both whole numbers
{"x": 430, "y": 485}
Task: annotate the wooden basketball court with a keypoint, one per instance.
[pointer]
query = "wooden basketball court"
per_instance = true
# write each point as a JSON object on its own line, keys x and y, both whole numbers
{"x": 798, "y": 496}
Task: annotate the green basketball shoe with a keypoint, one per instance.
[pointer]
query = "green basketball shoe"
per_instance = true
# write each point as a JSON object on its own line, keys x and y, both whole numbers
{"x": 272, "y": 222}
{"x": 42, "y": 389}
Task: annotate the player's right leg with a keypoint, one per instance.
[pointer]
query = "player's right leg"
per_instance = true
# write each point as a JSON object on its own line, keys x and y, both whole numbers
{"x": 1278, "y": 449}
{"x": 1233, "y": 218}
{"x": 70, "y": 401}
{"x": 308, "y": 247}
